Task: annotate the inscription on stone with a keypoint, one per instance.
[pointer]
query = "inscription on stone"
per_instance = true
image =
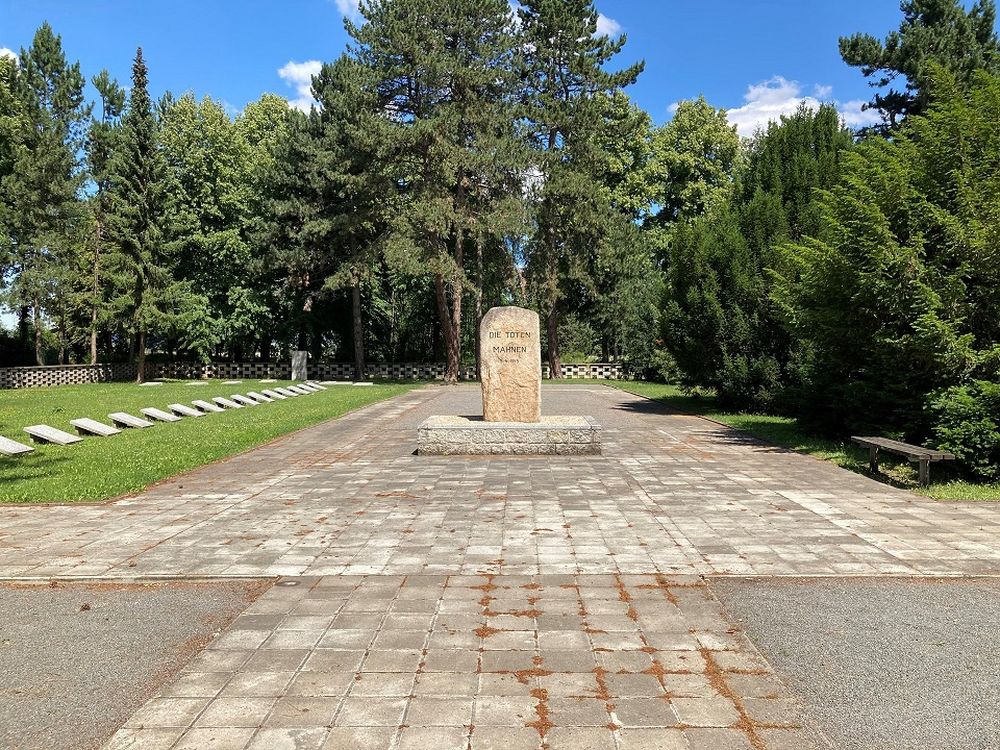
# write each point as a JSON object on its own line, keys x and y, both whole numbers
{"x": 511, "y": 365}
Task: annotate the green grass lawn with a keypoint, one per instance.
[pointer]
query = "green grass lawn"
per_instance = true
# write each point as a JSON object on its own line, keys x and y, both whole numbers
{"x": 788, "y": 433}
{"x": 101, "y": 468}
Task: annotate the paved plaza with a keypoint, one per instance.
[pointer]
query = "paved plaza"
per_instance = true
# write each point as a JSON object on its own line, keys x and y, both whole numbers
{"x": 495, "y": 602}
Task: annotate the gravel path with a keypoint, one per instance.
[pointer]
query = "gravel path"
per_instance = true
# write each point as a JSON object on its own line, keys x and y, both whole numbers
{"x": 884, "y": 664}
{"x": 76, "y": 660}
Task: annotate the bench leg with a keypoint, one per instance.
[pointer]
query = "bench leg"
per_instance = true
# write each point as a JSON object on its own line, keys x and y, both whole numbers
{"x": 925, "y": 472}
{"x": 873, "y": 459}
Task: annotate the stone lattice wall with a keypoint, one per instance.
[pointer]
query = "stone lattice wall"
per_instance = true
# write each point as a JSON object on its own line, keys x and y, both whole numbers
{"x": 39, "y": 377}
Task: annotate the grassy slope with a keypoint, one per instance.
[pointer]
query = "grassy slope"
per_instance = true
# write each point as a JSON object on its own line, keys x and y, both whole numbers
{"x": 101, "y": 468}
{"x": 788, "y": 433}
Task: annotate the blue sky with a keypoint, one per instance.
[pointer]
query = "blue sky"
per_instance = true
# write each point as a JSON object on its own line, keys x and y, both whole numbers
{"x": 755, "y": 57}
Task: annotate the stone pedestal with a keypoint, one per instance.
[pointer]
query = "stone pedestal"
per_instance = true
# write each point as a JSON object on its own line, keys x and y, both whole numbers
{"x": 465, "y": 436}
{"x": 512, "y": 423}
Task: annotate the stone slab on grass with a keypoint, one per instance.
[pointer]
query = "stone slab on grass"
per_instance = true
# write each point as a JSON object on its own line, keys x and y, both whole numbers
{"x": 88, "y": 426}
{"x": 124, "y": 419}
{"x": 260, "y": 397}
{"x": 159, "y": 415}
{"x": 185, "y": 411}
{"x": 227, "y": 403}
{"x": 466, "y": 436}
{"x": 43, "y": 433}
{"x": 299, "y": 390}
{"x": 286, "y": 391}
{"x": 241, "y": 399}
{"x": 208, "y": 406}
{"x": 13, "y": 448}
{"x": 271, "y": 393}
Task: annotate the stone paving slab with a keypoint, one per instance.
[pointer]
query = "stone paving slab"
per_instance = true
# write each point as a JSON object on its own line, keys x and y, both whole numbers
{"x": 474, "y": 662}
{"x": 672, "y": 494}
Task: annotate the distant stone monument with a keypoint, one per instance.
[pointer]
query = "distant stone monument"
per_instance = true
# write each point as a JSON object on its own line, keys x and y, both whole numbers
{"x": 300, "y": 363}
{"x": 512, "y": 422}
{"x": 510, "y": 368}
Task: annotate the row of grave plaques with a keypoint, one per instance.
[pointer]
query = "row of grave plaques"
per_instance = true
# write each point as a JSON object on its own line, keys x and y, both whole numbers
{"x": 43, "y": 433}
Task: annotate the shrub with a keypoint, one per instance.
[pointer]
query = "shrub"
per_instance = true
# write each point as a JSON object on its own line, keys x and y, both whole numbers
{"x": 966, "y": 422}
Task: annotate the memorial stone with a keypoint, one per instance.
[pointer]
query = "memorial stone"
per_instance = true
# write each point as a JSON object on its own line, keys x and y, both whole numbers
{"x": 511, "y": 365}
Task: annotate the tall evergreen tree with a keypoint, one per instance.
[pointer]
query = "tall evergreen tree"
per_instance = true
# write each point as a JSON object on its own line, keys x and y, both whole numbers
{"x": 40, "y": 192}
{"x": 10, "y": 114}
{"x": 932, "y": 32}
{"x": 897, "y": 293}
{"x": 718, "y": 320}
{"x": 136, "y": 209}
{"x": 100, "y": 146}
{"x": 563, "y": 69}
{"x": 442, "y": 74}
{"x": 330, "y": 196}
{"x": 358, "y": 192}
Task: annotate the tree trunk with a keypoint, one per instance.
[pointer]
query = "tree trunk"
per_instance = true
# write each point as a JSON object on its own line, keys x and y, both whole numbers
{"x": 448, "y": 329}
{"x": 62, "y": 340}
{"x": 552, "y": 273}
{"x": 39, "y": 350}
{"x": 552, "y": 328}
{"x": 22, "y": 323}
{"x": 140, "y": 360}
{"x": 95, "y": 290}
{"x": 479, "y": 305}
{"x": 359, "y": 332}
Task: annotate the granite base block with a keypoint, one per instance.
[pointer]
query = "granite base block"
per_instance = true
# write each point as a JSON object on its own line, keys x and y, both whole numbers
{"x": 471, "y": 436}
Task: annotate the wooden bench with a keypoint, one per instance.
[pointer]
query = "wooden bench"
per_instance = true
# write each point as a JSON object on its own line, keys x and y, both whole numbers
{"x": 923, "y": 457}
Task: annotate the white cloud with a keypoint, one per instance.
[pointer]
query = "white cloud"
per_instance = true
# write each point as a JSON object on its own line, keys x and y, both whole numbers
{"x": 349, "y": 8}
{"x": 855, "y": 117}
{"x": 607, "y": 26}
{"x": 767, "y": 101}
{"x": 299, "y": 76}
{"x": 672, "y": 108}
{"x": 4, "y": 52}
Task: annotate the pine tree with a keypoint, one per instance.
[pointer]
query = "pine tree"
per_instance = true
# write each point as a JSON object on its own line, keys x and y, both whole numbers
{"x": 563, "y": 69}
{"x": 40, "y": 192}
{"x": 136, "y": 206}
{"x": 356, "y": 192}
{"x": 932, "y": 32}
{"x": 442, "y": 75}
